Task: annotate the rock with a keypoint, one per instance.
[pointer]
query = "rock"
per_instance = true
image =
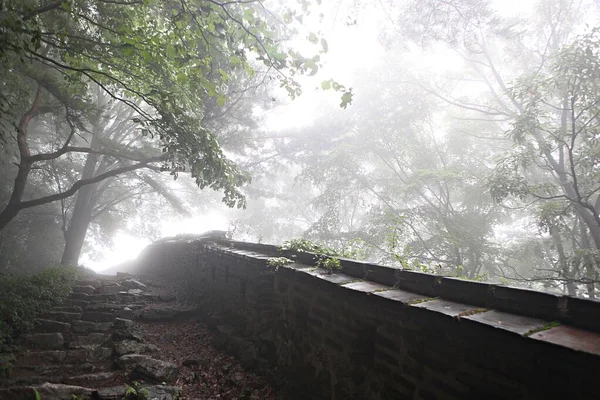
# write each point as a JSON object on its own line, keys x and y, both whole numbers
{"x": 61, "y": 369}
{"x": 50, "y": 326}
{"x": 112, "y": 288}
{"x": 58, "y": 391}
{"x": 161, "y": 392}
{"x": 91, "y": 339}
{"x": 79, "y": 296}
{"x": 104, "y": 307}
{"x": 67, "y": 308}
{"x": 97, "y": 354}
{"x": 132, "y": 347}
{"x": 126, "y": 313}
{"x": 123, "y": 275}
{"x": 89, "y": 289}
{"x": 95, "y": 316}
{"x": 125, "y": 329}
{"x": 167, "y": 297}
{"x": 133, "y": 284}
{"x": 50, "y": 356}
{"x": 92, "y": 379}
{"x": 45, "y": 340}
{"x": 112, "y": 393}
{"x": 61, "y": 316}
{"x": 89, "y": 327}
{"x": 158, "y": 392}
{"x": 79, "y": 303}
{"x": 146, "y": 367}
{"x": 122, "y": 323}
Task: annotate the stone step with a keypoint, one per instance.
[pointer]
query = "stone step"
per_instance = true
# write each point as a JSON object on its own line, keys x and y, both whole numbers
{"x": 54, "y": 369}
{"x": 63, "y": 308}
{"x": 112, "y": 288}
{"x": 161, "y": 392}
{"x": 87, "y": 289}
{"x": 148, "y": 368}
{"x": 96, "y": 316}
{"x": 73, "y": 356}
{"x": 106, "y": 307}
{"x": 79, "y": 296}
{"x": 46, "y": 391}
{"x": 84, "y": 341}
{"x": 124, "y": 347}
{"x": 75, "y": 303}
{"x": 48, "y": 341}
{"x": 61, "y": 316}
{"x": 96, "y": 379}
{"x": 80, "y": 326}
{"x": 50, "y": 326}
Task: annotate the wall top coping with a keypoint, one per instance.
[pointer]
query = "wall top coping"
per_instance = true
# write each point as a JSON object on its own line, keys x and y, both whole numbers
{"x": 513, "y": 310}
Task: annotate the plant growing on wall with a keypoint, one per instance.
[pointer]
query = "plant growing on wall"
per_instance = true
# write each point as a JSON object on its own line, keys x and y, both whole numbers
{"x": 326, "y": 257}
{"x": 275, "y": 262}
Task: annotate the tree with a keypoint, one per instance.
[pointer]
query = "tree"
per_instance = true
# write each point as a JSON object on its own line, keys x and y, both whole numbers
{"x": 119, "y": 46}
{"x": 162, "y": 60}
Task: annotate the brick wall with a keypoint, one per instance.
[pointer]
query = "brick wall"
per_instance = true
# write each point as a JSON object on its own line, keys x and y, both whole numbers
{"x": 341, "y": 336}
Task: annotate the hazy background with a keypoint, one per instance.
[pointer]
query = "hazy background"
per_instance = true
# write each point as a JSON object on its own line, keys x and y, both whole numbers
{"x": 471, "y": 148}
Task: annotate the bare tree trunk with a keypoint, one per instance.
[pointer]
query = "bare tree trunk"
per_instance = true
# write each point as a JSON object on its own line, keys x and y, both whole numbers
{"x": 82, "y": 211}
{"x": 12, "y": 208}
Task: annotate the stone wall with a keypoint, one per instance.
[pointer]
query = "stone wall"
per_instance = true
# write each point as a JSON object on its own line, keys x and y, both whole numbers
{"x": 372, "y": 332}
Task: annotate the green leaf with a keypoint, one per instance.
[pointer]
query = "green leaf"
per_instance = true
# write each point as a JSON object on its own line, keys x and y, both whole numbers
{"x": 171, "y": 52}
{"x": 346, "y": 99}
{"x": 146, "y": 54}
{"x": 312, "y": 37}
{"x": 324, "y": 45}
{"x": 326, "y": 85}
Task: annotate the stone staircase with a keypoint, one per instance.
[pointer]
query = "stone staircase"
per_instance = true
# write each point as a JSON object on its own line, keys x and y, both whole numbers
{"x": 90, "y": 347}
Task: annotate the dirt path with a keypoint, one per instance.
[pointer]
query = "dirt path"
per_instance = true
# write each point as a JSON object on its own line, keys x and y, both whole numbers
{"x": 205, "y": 372}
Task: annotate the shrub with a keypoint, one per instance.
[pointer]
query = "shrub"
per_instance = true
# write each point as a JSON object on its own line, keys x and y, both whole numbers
{"x": 22, "y": 298}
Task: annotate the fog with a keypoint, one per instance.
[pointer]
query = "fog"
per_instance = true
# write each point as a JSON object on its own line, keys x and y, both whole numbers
{"x": 454, "y": 137}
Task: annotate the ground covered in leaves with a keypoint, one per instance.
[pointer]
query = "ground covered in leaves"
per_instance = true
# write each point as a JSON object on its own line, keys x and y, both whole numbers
{"x": 205, "y": 372}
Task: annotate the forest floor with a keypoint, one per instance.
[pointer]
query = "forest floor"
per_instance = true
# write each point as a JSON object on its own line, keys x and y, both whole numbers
{"x": 205, "y": 372}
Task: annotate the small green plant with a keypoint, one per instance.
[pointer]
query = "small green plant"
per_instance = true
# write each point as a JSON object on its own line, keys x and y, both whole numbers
{"x": 545, "y": 327}
{"x": 37, "y": 394}
{"x": 327, "y": 258}
{"x": 275, "y": 262}
{"x": 136, "y": 392}
{"x": 307, "y": 246}
{"x": 331, "y": 264}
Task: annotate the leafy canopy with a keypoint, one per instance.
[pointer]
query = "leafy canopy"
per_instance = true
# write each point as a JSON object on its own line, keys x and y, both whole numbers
{"x": 161, "y": 58}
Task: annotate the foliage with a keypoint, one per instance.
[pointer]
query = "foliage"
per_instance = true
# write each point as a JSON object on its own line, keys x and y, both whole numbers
{"x": 165, "y": 60}
{"x": 308, "y": 246}
{"x": 325, "y": 257}
{"x": 330, "y": 264}
{"x": 22, "y": 298}
{"x": 135, "y": 392}
{"x": 275, "y": 262}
